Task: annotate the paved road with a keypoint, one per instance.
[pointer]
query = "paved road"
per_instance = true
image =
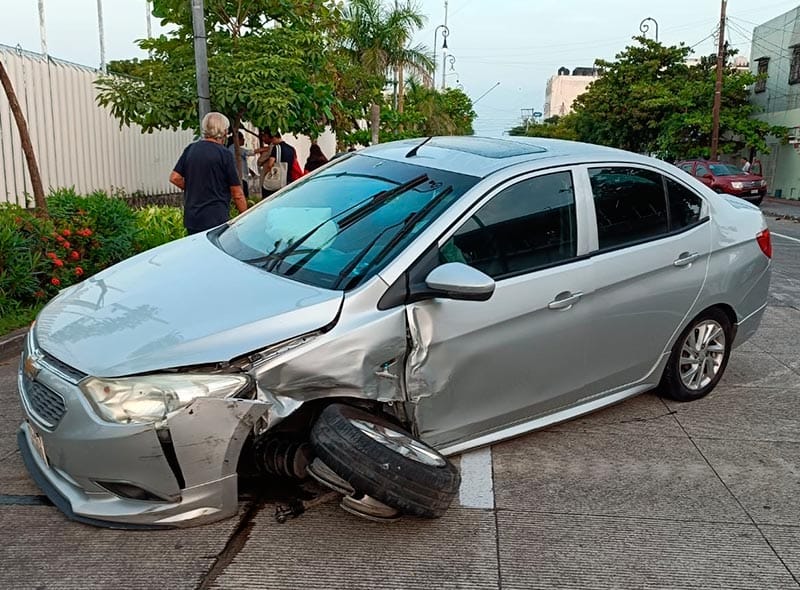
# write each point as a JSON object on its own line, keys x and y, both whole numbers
{"x": 648, "y": 494}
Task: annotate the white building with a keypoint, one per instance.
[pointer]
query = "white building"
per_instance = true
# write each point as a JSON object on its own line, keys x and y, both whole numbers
{"x": 564, "y": 88}
{"x": 776, "y": 53}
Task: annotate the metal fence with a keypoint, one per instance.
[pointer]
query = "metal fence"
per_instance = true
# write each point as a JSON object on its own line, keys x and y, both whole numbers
{"x": 77, "y": 143}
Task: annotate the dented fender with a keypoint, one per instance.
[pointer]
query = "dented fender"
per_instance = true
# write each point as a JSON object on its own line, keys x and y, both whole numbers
{"x": 208, "y": 436}
{"x": 362, "y": 356}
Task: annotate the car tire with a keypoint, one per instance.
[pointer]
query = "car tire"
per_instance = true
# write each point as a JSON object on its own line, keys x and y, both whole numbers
{"x": 757, "y": 202}
{"x": 380, "y": 459}
{"x": 705, "y": 346}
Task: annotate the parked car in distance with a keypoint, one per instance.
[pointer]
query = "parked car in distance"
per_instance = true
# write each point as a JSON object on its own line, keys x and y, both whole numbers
{"x": 727, "y": 178}
{"x": 399, "y": 305}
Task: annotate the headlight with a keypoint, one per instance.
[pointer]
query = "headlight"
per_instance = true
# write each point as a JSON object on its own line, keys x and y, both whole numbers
{"x": 763, "y": 183}
{"x": 737, "y": 185}
{"x": 151, "y": 398}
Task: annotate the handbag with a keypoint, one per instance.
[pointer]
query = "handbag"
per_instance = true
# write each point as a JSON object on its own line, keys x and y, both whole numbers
{"x": 276, "y": 176}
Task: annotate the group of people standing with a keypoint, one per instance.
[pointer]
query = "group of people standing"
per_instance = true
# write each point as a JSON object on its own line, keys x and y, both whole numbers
{"x": 209, "y": 176}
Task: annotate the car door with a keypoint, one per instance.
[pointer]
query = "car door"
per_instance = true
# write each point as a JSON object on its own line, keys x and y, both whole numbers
{"x": 654, "y": 241}
{"x": 475, "y": 367}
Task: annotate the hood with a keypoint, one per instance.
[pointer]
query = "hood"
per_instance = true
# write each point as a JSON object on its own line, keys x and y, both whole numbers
{"x": 184, "y": 303}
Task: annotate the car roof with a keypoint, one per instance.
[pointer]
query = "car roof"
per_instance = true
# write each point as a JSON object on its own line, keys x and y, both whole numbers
{"x": 482, "y": 156}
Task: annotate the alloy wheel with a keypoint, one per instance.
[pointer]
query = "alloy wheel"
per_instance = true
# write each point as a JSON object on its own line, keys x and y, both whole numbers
{"x": 702, "y": 354}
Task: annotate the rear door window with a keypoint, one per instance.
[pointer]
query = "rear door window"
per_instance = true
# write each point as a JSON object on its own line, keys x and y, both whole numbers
{"x": 630, "y": 205}
{"x": 701, "y": 171}
{"x": 685, "y": 207}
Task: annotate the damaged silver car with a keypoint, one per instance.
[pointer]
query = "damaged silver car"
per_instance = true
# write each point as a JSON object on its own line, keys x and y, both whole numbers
{"x": 400, "y": 305}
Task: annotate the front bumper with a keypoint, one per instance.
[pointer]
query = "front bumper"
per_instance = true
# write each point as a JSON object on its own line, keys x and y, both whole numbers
{"x": 749, "y": 194}
{"x": 181, "y": 474}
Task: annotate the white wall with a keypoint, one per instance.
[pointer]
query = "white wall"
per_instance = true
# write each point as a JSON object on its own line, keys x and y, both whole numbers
{"x": 77, "y": 143}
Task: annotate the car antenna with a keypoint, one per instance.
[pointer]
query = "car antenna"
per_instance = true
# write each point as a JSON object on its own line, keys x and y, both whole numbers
{"x": 413, "y": 151}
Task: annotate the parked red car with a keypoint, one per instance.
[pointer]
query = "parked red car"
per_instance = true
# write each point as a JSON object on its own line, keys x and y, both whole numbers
{"x": 726, "y": 178}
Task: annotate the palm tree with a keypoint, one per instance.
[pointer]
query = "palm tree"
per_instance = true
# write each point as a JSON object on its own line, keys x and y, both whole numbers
{"x": 377, "y": 38}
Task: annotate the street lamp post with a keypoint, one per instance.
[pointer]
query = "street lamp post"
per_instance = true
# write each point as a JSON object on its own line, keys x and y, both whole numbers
{"x": 644, "y": 27}
{"x": 445, "y": 33}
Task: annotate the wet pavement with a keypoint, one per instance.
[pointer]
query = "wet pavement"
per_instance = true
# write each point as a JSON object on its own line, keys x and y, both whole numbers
{"x": 647, "y": 494}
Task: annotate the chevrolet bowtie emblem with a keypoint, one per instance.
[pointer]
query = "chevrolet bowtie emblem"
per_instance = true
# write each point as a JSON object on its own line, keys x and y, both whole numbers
{"x": 31, "y": 367}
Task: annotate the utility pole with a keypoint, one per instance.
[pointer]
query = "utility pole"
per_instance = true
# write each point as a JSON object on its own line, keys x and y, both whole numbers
{"x": 201, "y": 58}
{"x": 718, "y": 85}
{"x": 42, "y": 29}
{"x": 102, "y": 36}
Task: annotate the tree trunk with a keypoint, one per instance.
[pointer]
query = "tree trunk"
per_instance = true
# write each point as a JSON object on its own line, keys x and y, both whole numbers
{"x": 375, "y": 122}
{"x": 400, "y": 89}
{"x": 25, "y": 140}
{"x": 237, "y": 150}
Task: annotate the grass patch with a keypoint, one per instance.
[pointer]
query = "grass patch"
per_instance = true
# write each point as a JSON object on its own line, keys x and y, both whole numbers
{"x": 19, "y": 318}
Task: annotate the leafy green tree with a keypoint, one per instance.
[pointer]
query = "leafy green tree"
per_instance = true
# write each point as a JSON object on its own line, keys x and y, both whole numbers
{"x": 428, "y": 112}
{"x": 648, "y": 100}
{"x": 266, "y": 60}
{"x": 554, "y": 127}
{"x": 375, "y": 40}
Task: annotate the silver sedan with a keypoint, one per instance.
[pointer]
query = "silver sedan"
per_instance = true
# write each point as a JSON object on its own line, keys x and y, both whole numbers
{"x": 402, "y": 304}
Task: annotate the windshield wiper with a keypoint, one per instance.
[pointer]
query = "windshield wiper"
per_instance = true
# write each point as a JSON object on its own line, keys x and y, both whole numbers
{"x": 352, "y": 215}
{"x": 406, "y": 225}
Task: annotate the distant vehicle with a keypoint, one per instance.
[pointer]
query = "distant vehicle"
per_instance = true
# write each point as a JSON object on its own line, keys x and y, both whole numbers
{"x": 398, "y": 305}
{"x": 728, "y": 179}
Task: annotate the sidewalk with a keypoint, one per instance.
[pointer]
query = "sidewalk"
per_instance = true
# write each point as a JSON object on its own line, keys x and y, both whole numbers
{"x": 781, "y": 208}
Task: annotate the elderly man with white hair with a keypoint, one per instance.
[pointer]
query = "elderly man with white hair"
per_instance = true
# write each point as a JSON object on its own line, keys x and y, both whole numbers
{"x": 206, "y": 173}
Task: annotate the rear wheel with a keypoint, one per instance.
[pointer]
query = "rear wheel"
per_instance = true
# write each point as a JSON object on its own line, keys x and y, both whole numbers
{"x": 699, "y": 357}
{"x": 380, "y": 459}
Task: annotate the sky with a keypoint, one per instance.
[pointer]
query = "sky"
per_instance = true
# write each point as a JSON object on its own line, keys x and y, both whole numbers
{"x": 518, "y": 43}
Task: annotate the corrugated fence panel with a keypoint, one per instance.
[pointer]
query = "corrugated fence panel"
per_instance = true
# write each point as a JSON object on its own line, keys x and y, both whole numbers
{"x": 77, "y": 143}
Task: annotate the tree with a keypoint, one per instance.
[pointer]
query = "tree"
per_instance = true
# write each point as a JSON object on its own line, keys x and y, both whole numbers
{"x": 267, "y": 65}
{"x": 428, "y": 112}
{"x": 25, "y": 140}
{"x": 375, "y": 40}
{"x": 554, "y": 127}
{"x": 648, "y": 100}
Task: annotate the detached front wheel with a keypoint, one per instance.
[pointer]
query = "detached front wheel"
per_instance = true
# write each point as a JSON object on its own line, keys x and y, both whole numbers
{"x": 382, "y": 460}
{"x": 699, "y": 357}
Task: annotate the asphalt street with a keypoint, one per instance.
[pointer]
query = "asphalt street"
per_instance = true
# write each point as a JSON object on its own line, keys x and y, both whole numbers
{"x": 647, "y": 494}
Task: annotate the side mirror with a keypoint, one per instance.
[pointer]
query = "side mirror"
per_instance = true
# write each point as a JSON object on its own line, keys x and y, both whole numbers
{"x": 456, "y": 280}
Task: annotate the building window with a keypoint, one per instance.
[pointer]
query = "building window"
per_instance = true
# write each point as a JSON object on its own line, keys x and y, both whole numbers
{"x": 763, "y": 68}
{"x": 794, "y": 70}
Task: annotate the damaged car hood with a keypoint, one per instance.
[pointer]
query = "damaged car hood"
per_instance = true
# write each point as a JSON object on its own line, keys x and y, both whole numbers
{"x": 185, "y": 303}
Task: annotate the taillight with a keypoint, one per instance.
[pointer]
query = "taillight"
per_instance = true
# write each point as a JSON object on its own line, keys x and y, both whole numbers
{"x": 765, "y": 242}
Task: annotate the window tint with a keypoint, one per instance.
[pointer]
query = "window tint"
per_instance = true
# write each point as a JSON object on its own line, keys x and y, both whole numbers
{"x": 526, "y": 226}
{"x": 684, "y": 206}
{"x": 701, "y": 171}
{"x": 687, "y": 167}
{"x": 629, "y": 203}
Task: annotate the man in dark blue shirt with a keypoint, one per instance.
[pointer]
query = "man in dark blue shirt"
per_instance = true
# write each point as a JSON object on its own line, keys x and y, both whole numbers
{"x": 206, "y": 172}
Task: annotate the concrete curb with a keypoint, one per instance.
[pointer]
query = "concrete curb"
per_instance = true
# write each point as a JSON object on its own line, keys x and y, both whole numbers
{"x": 11, "y": 344}
{"x": 768, "y": 213}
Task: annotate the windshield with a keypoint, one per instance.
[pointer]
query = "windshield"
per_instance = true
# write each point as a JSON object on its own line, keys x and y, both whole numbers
{"x": 725, "y": 170}
{"x": 341, "y": 226}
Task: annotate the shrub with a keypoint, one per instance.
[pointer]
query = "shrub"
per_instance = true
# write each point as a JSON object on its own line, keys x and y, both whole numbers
{"x": 23, "y": 267}
{"x": 83, "y": 235}
{"x": 158, "y": 225}
{"x": 108, "y": 221}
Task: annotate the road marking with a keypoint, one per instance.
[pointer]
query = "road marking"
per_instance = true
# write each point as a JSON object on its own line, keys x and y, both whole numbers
{"x": 785, "y": 237}
{"x": 477, "y": 485}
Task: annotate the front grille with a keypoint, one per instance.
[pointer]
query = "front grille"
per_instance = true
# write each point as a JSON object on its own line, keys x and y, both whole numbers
{"x": 49, "y": 359}
{"x": 45, "y": 403}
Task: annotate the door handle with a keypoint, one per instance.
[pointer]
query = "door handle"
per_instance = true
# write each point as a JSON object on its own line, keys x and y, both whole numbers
{"x": 686, "y": 258}
{"x": 565, "y": 300}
